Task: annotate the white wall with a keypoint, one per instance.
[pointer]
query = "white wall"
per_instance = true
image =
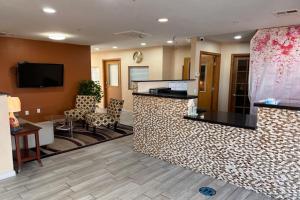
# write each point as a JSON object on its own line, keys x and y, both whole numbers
{"x": 196, "y": 47}
{"x": 168, "y": 63}
{"x": 164, "y": 63}
{"x": 153, "y": 57}
{"x": 226, "y": 51}
{"x": 173, "y": 60}
{"x": 6, "y": 160}
{"x": 180, "y": 53}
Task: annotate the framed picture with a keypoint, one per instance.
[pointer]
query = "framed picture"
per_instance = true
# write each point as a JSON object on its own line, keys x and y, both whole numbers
{"x": 137, "y": 73}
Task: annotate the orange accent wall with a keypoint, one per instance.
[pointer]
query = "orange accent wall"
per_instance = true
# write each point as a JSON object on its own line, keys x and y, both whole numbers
{"x": 51, "y": 101}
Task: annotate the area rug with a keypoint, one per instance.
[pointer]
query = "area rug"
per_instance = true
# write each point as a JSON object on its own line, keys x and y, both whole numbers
{"x": 82, "y": 138}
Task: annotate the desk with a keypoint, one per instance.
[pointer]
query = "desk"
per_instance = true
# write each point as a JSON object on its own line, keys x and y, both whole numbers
{"x": 23, "y": 155}
{"x": 260, "y": 153}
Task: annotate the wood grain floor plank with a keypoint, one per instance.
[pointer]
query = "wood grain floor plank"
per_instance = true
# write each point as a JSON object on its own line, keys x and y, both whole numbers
{"x": 142, "y": 197}
{"x": 240, "y": 194}
{"x": 113, "y": 171}
{"x": 12, "y": 194}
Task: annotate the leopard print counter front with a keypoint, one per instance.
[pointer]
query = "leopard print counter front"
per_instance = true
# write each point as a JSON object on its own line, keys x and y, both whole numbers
{"x": 265, "y": 160}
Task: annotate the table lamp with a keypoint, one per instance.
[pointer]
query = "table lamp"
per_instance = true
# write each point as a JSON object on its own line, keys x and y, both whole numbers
{"x": 14, "y": 105}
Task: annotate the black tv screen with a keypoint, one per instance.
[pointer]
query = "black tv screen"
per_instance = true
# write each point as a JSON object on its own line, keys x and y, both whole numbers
{"x": 38, "y": 75}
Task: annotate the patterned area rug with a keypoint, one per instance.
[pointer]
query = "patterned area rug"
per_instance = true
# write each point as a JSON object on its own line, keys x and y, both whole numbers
{"x": 82, "y": 138}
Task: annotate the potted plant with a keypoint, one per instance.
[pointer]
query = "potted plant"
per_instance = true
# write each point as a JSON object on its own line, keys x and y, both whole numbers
{"x": 92, "y": 88}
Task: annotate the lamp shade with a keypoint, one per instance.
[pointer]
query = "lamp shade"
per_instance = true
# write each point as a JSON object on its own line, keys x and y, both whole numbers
{"x": 14, "y": 104}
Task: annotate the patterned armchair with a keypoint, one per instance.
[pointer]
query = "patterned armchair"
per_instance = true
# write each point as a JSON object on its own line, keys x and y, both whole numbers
{"x": 112, "y": 117}
{"x": 84, "y": 104}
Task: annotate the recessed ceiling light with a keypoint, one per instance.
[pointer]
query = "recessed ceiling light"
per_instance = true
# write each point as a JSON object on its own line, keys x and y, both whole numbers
{"x": 49, "y": 10}
{"x": 115, "y": 47}
{"x": 143, "y": 44}
{"x": 163, "y": 20}
{"x": 237, "y": 37}
{"x": 97, "y": 49}
{"x": 170, "y": 41}
{"x": 57, "y": 36}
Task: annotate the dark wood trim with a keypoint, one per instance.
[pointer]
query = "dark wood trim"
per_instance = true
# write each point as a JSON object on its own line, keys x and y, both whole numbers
{"x": 216, "y": 75}
{"x": 25, "y": 154}
{"x": 209, "y": 53}
{"x": 216, "y": 79}
{"x": 233, "y": 56}
{"x": 182, "y": 71}
{"x": 104, "y": 82}
{"x": 104, "y": 78}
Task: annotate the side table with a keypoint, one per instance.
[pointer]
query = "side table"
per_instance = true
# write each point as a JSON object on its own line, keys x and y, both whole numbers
{"x": 25, "y": 154}
{"x": 63, "y": 124}
{"x": 66, "y": 126}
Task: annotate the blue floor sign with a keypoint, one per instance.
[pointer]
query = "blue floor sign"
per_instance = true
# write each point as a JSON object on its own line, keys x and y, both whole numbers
{"x": 207, "y": 191}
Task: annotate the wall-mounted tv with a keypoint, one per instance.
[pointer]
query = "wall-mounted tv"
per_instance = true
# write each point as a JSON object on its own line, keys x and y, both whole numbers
{"x": 39, "y": 75}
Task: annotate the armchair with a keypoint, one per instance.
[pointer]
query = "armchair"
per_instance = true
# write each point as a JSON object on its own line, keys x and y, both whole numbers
{"x": 112, "y": 117}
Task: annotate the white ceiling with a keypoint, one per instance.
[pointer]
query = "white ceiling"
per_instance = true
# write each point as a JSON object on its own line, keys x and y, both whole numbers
{"x": 229, "y": 37}
{"x": 93, "y": 22}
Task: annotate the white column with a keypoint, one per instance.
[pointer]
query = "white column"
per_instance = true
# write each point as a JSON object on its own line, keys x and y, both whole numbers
{"x": 6, "y": 160}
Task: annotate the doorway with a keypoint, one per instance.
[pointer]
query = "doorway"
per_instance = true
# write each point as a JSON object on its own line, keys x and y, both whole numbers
{"x": 209, "y": 75}
{"x": 112, "y": 80}
{"x": 186, "y": 68}
{"x": 238, "y": 92}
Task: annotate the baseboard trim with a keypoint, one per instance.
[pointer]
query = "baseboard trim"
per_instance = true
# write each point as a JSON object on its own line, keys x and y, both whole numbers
{"x": 7, "y": 174}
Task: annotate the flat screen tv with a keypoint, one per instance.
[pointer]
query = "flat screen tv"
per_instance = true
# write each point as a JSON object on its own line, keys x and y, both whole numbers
{"x": 40, "y": 75}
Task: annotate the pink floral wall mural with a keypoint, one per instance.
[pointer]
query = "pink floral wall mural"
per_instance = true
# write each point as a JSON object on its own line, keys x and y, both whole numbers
{"x": 275, "y": 65}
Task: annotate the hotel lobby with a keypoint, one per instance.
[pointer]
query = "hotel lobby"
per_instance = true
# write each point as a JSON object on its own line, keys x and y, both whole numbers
{"x": 149, "y": 100}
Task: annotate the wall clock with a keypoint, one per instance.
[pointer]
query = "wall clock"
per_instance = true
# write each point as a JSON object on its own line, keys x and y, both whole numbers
{"x": 138, "y": 57}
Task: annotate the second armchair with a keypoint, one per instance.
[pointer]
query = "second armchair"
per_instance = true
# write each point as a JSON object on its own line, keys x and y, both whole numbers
{"x": 112, "y": 117}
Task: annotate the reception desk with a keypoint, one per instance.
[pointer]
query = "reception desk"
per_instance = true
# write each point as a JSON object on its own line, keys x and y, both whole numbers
{"x": 259, "y": 153}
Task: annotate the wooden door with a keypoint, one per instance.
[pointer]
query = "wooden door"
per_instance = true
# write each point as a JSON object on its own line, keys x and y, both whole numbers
{"x": 205, "y": 83}
{"x": 209, "y": 73}
{"x": 112, "y": 80}
{"x": 238, "y": 97}
{"x": 186, "y": 69}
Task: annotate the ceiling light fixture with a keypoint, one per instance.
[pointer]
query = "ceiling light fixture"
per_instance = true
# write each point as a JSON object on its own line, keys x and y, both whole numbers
{"x": 170, "y": 41}
{"x": 163, "y": 20}
{"x": 97, "y": 49}
{"x": 49, "y": 10}
{"x": 237, "y": 37}
{"x": 115, "y": 47}
{"x": 143, "y": 44}
{"x": 57, "y": 36}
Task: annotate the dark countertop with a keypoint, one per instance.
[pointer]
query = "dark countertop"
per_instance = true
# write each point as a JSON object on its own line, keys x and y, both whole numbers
{"x": 164, "y": 80}
{"x": 166, "y": 95}
{"x": 288, "y": 106}
{"x": 227, "y": 119}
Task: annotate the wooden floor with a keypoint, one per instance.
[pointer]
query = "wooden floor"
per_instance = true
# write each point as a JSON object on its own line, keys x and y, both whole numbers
{"x": 113, "y": 171}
